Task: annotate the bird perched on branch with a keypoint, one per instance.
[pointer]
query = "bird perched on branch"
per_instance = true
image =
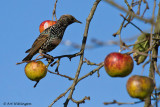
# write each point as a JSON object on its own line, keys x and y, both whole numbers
{"x": 50, "y": 37}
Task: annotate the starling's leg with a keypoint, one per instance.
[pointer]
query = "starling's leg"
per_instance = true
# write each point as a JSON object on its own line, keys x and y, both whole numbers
{"x": 41, "y": 54}
{"x": 44, "y": 54}
{"x": 49, "y": 57}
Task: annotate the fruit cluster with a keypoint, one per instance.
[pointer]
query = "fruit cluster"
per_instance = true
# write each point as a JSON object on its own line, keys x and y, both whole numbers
{"x": 121, "y": 65}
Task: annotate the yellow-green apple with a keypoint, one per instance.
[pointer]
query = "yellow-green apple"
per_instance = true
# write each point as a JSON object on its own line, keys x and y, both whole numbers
{"x": 140, "y": 86}
{"x": 35, "y": 70}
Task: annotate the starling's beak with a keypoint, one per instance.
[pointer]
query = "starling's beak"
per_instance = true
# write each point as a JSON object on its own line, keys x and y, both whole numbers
{"x": 78, "y": 21}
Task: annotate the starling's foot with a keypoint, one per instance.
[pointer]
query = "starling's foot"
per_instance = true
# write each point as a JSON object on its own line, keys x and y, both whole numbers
{"x": 49, "y": 57}
{"x": 41, "y": 54}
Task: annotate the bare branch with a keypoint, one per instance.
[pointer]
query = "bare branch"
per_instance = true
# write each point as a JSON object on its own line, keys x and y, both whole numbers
{"x": 122, "y": 103}
{"x": 132, "y": 23}
{"x": 90, "y": 63}
{"x": 82, "y": 49}
{"x": 54, "y": 10}
{"x": 92, "y": 72}
{"x": 154, "y": 53}
{"x": 69, "y": 56}
{"x": 59, "y": 97}
{"x": 156, "y": 68}
{"x": 58, "y": 63}
{"x": 147, "y": 7}
{"x": 80, "y": 101}
{"x": 27, "y": 61}
{"x": 133, "y": 14}
{"x": 65, "y": 76}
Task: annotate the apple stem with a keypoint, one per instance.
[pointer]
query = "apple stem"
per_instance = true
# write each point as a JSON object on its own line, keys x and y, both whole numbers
{"x": 36, "y": 84}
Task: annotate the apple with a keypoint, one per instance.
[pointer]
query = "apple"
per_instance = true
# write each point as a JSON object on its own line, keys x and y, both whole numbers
{"x": 140, "y": 86}
{"x": 35, "y": 70}
{"x": 45, "y": 24}
{"x": 118, "y": 65}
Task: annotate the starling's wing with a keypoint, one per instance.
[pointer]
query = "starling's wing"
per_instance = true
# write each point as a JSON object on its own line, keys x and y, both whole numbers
{"x": 27, "y": 51}
{"x": 40, "y": 41}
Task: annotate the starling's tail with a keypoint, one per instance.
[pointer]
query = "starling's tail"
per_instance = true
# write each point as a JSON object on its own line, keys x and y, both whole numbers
{"x": 28, "y": 57}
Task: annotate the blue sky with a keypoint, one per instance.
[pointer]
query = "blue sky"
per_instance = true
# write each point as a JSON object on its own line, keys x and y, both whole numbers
{"x": 20, "y": 20}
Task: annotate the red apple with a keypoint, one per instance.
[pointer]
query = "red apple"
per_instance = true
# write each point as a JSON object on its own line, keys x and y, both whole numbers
{"x": 35, "y": 70}
{"x": 46, "y": 24}
{"x": 118, "y": 65}
{"x": 140, "y": 86}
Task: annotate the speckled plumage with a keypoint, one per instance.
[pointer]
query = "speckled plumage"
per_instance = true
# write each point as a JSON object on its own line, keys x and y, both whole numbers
{"x": 50, "y": 37}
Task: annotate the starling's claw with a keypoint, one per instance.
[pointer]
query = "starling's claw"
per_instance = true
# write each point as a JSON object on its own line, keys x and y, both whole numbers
{"x": 49, "y": 57}
{"x": 41, "y": 54}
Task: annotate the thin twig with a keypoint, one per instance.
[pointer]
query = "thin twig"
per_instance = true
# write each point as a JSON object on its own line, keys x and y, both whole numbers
{"x": 156, "y": 68}
{"x": 133, "y": 14}
{"x": 54, "y": 11}
{"x": 60, "y": 96}
{"x": 154, "y": 53}
{"x": 27, "y": 61}
{"x": 58, "y": 63}
{"x": 137, "y": 43}
{"x": 69, "y": 56}
{"x": 120, "y": 29}
{"x": 147, "y": 7}
{"x": 132, "y": 23}
{"x": 89, "y": 62}
{"x": 123, "y": 103}
{"x": 65, "y": 76}
{"x": 147, "y": 62}
{"x": 139, "y": 7}
{"x": 52, "y": 58}
{"x": 80, "y": 101}
{"x": 130, "y": 17}
{"x": 91, "y": 72}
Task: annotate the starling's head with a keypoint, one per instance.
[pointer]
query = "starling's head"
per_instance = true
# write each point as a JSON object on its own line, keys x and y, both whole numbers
{"x": 69, "y": 19}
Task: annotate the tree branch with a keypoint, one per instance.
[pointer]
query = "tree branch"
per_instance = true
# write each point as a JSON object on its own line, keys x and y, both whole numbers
{"x": 60, "y": 96}
{"x": 65, "y": 76}
{"x": 123, "y": 103}
{"x": 91, "y": 72}
{"x": 154, "y": 53}
{"x": 82, "y": 49}
{"x": 80, "y": 101}
{"x": 133, "y": 14}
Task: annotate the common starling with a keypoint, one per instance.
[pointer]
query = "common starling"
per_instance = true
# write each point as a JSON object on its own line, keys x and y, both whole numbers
{"x": 50, "y": 37}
